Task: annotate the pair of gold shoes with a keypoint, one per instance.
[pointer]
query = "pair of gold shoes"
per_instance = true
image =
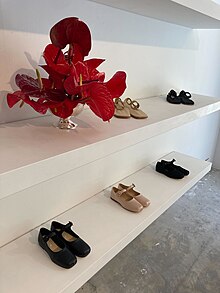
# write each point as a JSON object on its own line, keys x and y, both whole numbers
{"x": 128, "y": 108}
{"x": 128, "y": 198}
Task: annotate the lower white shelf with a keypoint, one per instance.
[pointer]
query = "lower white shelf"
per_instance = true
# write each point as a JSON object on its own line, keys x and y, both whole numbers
{"x": 102, "y": 223}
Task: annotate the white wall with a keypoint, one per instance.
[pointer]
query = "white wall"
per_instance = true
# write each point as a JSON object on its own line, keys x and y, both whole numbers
{"x": 216, "y": 158}
{"x": 157, "y": 56}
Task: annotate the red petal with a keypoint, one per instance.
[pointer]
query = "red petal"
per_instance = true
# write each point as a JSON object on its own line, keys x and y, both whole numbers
{"x": 117, "y": 84}
{"x": 27, "y": 83}
{"x": 47, "y": 83}
{"x": 56, "y": 77}
{"x": 14, "y": 98}
{"x": 71, "y": 86}
{"x": 100, "y": 100}
{"x": 64, "y": 109}
{"x": 55, "y": 59}
{"x": 82, "y": 70}
{"x": 38, "y": 106}
{"x": 93, "y": 63}
{"x": 96, "y": 75}
{"x": 77, "y": 54}
{"x": 101, "y": 76}
{"x": 71, "y": 30}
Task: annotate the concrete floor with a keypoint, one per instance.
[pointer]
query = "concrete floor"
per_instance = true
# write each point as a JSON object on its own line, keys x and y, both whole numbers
{"x": 178, "y": 253}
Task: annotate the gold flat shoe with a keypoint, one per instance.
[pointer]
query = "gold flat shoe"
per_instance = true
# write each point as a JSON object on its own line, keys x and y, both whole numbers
{"x": 134, "y": 110}
{"x": 120, "y": 110}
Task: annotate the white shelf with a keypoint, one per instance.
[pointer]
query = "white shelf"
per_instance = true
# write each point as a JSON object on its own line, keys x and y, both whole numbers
{"x": 197, "y": 14}
{"x": 32, "y": 149}
{"x": 106, "y": 226}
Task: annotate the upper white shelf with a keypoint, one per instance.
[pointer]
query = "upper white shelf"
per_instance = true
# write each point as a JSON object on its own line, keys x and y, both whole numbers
{"x": 197, "y": 14}
{"x": 32, "y": 149}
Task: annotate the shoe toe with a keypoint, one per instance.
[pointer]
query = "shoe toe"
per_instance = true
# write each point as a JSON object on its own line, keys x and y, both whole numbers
{"x": 65, "y": 259}
{"x": 146, "y": 202}
{"x": 80, "y": 248}
{"x": 134, "y": 206}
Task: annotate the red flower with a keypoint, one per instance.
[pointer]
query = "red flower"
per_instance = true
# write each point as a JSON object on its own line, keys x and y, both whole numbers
{"x": 97, "y": 95}
{"x": 71, "y": 31}
{"x": 72, "y": 79}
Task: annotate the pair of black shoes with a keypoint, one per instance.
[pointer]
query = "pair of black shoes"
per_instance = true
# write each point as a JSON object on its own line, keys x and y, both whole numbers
{"x": 62, "y": 244}
{"x": 171, "y": 170}
{"x": 182, "y": 98}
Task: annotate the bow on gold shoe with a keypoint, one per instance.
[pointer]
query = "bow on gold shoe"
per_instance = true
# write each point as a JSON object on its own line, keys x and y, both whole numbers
{"x": 133, "y": 107}
{"x": 136, "y": 195}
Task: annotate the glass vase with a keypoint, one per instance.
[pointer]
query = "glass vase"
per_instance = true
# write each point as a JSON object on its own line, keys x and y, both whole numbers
{"x": 67, "y": 123}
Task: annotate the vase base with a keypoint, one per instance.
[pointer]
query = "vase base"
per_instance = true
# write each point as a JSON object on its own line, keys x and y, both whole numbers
{"x": 66, "y": 124}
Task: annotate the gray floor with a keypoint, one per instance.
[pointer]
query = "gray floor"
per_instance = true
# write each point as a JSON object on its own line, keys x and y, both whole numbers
{"x": 178, "y": 253}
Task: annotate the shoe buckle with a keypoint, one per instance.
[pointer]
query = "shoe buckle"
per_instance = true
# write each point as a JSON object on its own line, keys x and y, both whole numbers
{"x": 119, "y": 104}
{"x": 135, "y": 105}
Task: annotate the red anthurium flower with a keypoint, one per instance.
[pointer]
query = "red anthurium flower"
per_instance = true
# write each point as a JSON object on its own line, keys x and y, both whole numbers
{"x": 117, "y": 85}
{"x": 71, "y": 31}
{"x": 99, "y": 100}
{"x": 55, "y": 77}
{"x": 63, "y": 109}
{"x": 31, "y": 87}
{"x": 46, "y": 96}
{"x": 72, "y": 79}
{"x": 17, "y": 96}
{"x": 55, "y": 59}
{"x": 92, "y": 64}
{"x": 98, "y": 95}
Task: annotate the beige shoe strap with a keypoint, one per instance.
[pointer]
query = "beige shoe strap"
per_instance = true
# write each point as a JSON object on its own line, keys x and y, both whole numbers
{"x": 119, "y": 105}
{"x": 130, "y": 187}
{"x": 133, "y": 104}
{"x": 120, "y": 192}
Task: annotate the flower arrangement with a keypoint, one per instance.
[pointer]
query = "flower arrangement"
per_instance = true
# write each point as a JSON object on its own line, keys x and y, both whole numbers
{"x": 71, "y": 79}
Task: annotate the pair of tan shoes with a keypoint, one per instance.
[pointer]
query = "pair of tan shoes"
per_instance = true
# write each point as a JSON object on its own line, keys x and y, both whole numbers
{"x": 128, "y": 198}
{"x": 128, "y": 108}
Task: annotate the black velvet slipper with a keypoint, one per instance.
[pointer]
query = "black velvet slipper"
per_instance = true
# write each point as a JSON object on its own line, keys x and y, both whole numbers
{"x": 56, "y": 249}
{"x": 169, "y": 170}
{"x": 173, "y": 98}
{"x": 75, "y": 244}
{"x": 181, "y": 169}
{"x": 185, "y": 98}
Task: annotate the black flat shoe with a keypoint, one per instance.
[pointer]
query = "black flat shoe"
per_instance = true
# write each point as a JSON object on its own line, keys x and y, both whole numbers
{"x": 181, "y": 169}
{"x": 56, "y": 249}
{"x": 185, "y": 98}
{"x": 75, "y": 244}
{"x": 169, "y": 170}
{"x": 173, "y": 98}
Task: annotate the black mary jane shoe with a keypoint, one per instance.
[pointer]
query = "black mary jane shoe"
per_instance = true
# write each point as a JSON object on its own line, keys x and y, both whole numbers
{"x": 181, "y": 169}
{"x": 185, "y": 98}
{"x": 169, "y": 170}
{"x": 173, "y": 98}
{"x": 56, "y": 249}
{"x": 75, "y": 244}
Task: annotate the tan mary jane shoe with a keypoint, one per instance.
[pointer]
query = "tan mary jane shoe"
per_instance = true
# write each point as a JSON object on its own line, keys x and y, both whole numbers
{"x": 136, "y": 195}
{"x": 125, "y": 200}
